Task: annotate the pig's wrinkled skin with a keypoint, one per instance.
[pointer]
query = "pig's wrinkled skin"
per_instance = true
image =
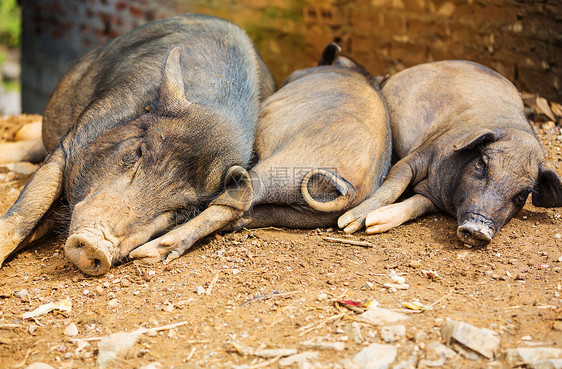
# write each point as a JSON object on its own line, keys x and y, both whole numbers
{"x": 464, "y": 147}
{"x": 323, "y": 144}
{"x": 141, "y": 134}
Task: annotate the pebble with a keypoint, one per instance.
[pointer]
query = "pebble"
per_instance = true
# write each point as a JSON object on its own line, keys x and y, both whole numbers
{"x": 322, "y": 297}
{"x": 393, "y": 333}
{"x": 113, "y": 303}
{"x": 527, "y": 355}
{"x": 480, "y": 340}
{"x": 71, "y": 330}
{"x": 125, "y": 283}
{"x": 86, "y": 292}
{"x": 375, "y": 356}
{"x": 99, "y": 289}
{"x": 200, "y": 290}
{"x": 415, "y": 264}
{"x": 22, "y": 293}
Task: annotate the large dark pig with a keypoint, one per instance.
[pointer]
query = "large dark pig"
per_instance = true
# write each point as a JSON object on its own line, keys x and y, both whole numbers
{"x": 142, "y": 132}
{"x": 323, "y": 144}
{"x": 464, "y": 147}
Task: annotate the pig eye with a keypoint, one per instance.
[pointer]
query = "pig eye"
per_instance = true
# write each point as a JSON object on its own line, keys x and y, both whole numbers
{"x": 481, "y": 166}
{"x": 142, "y": 149}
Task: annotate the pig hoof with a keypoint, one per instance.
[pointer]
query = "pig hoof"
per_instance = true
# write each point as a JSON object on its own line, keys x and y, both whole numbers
{"x": 474, "y": 234}
{"x": 89, "y": 254}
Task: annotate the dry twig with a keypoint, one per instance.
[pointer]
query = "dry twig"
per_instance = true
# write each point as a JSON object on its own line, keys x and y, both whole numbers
{"x": 348, "y": 242}
{"x": 213, "y": 282}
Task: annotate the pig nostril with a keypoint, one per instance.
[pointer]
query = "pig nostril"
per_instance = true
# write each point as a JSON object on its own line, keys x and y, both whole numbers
{"x": 96, "y": 263}
{"x": 79, "y": 245}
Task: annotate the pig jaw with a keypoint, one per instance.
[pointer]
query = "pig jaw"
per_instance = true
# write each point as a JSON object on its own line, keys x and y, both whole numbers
{"x": 475, "y": 229}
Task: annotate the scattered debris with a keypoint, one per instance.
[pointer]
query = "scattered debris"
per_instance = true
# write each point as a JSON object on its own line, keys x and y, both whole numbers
{"x": 375, "y": 356}
{"x": 200, "y": 290}
{"x": 63, "y": 305}
{"x": 469, "y": 340}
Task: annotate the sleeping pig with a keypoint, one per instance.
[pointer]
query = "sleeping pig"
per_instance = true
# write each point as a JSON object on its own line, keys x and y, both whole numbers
{"x": 323, "y": 144}
{"x": 142, "y": 133}
{"x": 464, "y": 146}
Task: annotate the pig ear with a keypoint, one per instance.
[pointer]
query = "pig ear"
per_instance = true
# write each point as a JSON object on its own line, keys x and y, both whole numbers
{"x": 238, "y": 193}
{"x": 172, "y": 89}
{"x": 548, "y": 189}
{"x": 476, "y": 138}
{"x": 325, "y": 191}
{"x": 330, "y": 54}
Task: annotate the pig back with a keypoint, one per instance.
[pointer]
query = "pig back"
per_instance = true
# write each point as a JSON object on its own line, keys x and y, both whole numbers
{"x": 114, "y": 83}
{"x": 332, "y": 119}
{"x": 428, "y": 100}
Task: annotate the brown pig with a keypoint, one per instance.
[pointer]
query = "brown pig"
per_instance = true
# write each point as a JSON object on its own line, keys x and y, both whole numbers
{"x": 323, "y": 145}
{"x": 464, "y": 146}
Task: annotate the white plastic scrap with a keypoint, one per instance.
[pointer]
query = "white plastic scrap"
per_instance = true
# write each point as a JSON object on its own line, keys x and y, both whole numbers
{"x": 64, "y": 305}
{"x": 396, "y": 278}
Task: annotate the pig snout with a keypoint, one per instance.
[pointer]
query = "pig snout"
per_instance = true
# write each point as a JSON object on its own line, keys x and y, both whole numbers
{"x": 90, "y": 252}
{"x": 475, "y": 230}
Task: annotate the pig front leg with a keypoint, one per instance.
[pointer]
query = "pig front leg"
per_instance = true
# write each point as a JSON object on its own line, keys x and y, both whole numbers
{"x": 398, "y": 179}
{"x": 176, "y": 242}
{"x": 390, "y": 216}
{"x": 35, "y": 200}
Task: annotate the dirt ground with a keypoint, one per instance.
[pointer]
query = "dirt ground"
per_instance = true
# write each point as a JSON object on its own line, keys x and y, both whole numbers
{"x": 276, "y": 288}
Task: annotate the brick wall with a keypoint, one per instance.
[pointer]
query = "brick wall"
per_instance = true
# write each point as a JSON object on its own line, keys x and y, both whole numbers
{"x": 520, "y": 39}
